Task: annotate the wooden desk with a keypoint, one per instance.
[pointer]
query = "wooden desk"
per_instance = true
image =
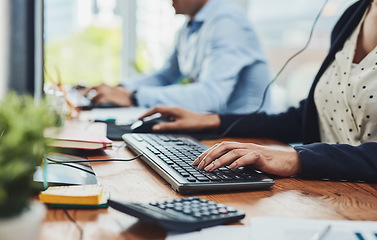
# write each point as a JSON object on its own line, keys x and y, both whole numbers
{"x": 135, "y": 181}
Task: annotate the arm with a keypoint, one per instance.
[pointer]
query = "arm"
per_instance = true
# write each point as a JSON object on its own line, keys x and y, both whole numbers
{"x": 339, "y": 161}
{"x": 314, "y": 161}
{"x": 285, "y": 127}
{"x": 317, "y": 160}
{"x": 121, "y": 94}
{"x": 227, "y": 52}
{"x": 169, "y": 74}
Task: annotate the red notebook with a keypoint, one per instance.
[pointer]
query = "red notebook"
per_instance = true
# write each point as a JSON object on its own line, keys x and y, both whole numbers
{"x": 74, "y": 138}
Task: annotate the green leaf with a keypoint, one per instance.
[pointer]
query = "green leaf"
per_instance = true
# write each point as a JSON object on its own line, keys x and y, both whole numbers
{"x": 22, "y": 147}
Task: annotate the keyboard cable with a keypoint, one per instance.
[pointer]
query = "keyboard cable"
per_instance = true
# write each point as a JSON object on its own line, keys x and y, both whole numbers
{"x": 75, "y": 223}
{"x": 67, "y": 163}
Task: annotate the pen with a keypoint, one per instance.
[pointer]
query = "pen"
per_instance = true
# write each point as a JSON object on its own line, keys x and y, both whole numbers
{"x": 322, "y": 233}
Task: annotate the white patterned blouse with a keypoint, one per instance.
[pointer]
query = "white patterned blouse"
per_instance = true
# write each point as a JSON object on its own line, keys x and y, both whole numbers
{"x": 346, "y": 97}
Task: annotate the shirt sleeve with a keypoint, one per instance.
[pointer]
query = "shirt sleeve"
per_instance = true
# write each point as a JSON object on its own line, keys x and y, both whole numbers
{"x": 285, "y": 127}
{"x": 169, "y": 74}
{"x": 339, "y": 161}
{"x": 230, "y": 50}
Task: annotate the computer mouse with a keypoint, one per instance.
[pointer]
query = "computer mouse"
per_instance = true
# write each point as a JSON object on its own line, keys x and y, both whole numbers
{"x": 145, "y": 126}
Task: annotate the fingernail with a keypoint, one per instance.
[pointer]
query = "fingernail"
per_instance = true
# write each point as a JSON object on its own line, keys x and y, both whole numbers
{"x": 233, "y": 165}
{"x": 156, "y": 127}
{"x": 201, "y": 165}
{"x": 209, "y": 167}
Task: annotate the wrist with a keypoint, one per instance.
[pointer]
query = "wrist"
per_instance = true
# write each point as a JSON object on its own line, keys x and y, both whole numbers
{"x": 212, "y": 121}
{"x": 297, "y": 164}
{"x": 133, "y": 98}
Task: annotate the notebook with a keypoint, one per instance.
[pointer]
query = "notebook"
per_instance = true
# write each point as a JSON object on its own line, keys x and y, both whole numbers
{"x": 171, "y": 156}
{"x": 75, "y": 196}
{"x": 76, "y": 138}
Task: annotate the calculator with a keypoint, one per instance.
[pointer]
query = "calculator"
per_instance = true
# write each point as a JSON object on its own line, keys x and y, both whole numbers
{"x": 182, "y": 215}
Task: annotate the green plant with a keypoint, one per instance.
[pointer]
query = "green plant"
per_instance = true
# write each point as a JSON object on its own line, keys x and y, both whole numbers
{"x": 22, "y": 147}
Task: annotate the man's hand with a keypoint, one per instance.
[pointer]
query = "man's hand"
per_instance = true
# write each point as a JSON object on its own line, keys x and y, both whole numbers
{"x": 104, "y": 93}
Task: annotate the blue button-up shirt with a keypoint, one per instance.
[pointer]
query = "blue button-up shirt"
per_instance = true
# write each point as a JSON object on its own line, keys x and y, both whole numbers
{"x": 218, "y": 51}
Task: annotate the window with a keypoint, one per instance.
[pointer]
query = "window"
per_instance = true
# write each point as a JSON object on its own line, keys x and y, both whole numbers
{"x": 83, "y": 41}
{"x": 156, "y": 27}
{"x": 106, "y": 41}
{"x": 284, "y": 28}
{"x": 97, "y": 41}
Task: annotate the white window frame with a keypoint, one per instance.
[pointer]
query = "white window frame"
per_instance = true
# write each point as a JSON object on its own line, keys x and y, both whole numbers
{"x": 128, "y": 11}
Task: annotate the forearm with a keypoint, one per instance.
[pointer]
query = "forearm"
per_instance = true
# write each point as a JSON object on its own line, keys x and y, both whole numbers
{"x": 285, "y": 127}
{"x": 210, "y": 122}
{"x": 339, "y": 161}
{"x": 148, "y": 80}
{"x": 168, "y": 74}
{"x": 196, "y": 97}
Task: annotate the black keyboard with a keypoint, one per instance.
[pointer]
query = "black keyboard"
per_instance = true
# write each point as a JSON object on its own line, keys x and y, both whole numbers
{"x": 186, "y": 214}
{"x": 172, "y": 155}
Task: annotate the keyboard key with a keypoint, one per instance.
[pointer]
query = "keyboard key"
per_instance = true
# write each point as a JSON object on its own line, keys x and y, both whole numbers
{"x": 202, "y": 179}
{"x": 191, "y": 179}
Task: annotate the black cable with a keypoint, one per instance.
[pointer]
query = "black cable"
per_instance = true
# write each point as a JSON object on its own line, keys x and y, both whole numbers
{"x": 277, "y": 75}
{"x": 73, "y": 166}
{"x": 67, "y": 163}
{"x": 74, "y": 222}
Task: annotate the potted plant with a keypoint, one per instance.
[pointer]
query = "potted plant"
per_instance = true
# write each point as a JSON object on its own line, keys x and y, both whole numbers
{"x": 22, "y": 148}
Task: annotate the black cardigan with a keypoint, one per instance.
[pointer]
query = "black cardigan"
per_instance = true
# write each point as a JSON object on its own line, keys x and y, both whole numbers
{"x": 320, "y": 160}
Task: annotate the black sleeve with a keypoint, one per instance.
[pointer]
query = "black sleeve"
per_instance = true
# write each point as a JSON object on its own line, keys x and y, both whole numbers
{"x": 339, "y": 161}
{"x": 285, "y": 127}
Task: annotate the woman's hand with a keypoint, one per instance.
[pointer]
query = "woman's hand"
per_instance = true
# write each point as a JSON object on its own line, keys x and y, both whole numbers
{"x": 182, "y": 119}
{"x": 281, "y": 161}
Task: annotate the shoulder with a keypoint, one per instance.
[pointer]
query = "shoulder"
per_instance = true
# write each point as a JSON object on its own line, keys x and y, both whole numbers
{"x": 227, "y": 10}
{"x": 227, "y": 19}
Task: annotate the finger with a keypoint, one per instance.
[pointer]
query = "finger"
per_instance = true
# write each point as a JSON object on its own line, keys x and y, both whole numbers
{"x": 247, "y": 159}
{"x": 159, "y": 109}
{"x": 148, "y": 113}
{"x": 215, "y": 152}
{"x": 166, "y": 127}
{"x": 104, "y": 99}
{"x": 85, "y": 91}
{"x": 230, "y": 157}
{"x": 218, "y": 151}
{"x": 97, "y": 98}
{"x": 201, "y": 156}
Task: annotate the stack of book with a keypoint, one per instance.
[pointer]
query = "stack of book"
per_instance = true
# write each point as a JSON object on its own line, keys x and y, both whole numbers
{"x": 74, "y": 138}
{"x": 75, "y": 196}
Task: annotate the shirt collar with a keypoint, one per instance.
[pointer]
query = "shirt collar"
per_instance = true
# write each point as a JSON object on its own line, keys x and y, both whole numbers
{"x": 205, "y": 11}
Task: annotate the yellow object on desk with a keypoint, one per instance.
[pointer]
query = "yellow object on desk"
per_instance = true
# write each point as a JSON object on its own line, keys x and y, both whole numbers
{"x": 72, "y": 195}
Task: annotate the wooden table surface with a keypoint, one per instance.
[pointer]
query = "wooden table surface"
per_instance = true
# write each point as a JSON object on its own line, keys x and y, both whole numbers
{"x": 135, "y": 181}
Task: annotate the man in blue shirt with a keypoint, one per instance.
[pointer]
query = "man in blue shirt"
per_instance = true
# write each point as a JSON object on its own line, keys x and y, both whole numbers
{"x": 217, "y": 51}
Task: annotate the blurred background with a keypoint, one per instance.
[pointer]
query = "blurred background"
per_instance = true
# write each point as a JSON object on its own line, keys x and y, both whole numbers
{"x": 89, "y": 42}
